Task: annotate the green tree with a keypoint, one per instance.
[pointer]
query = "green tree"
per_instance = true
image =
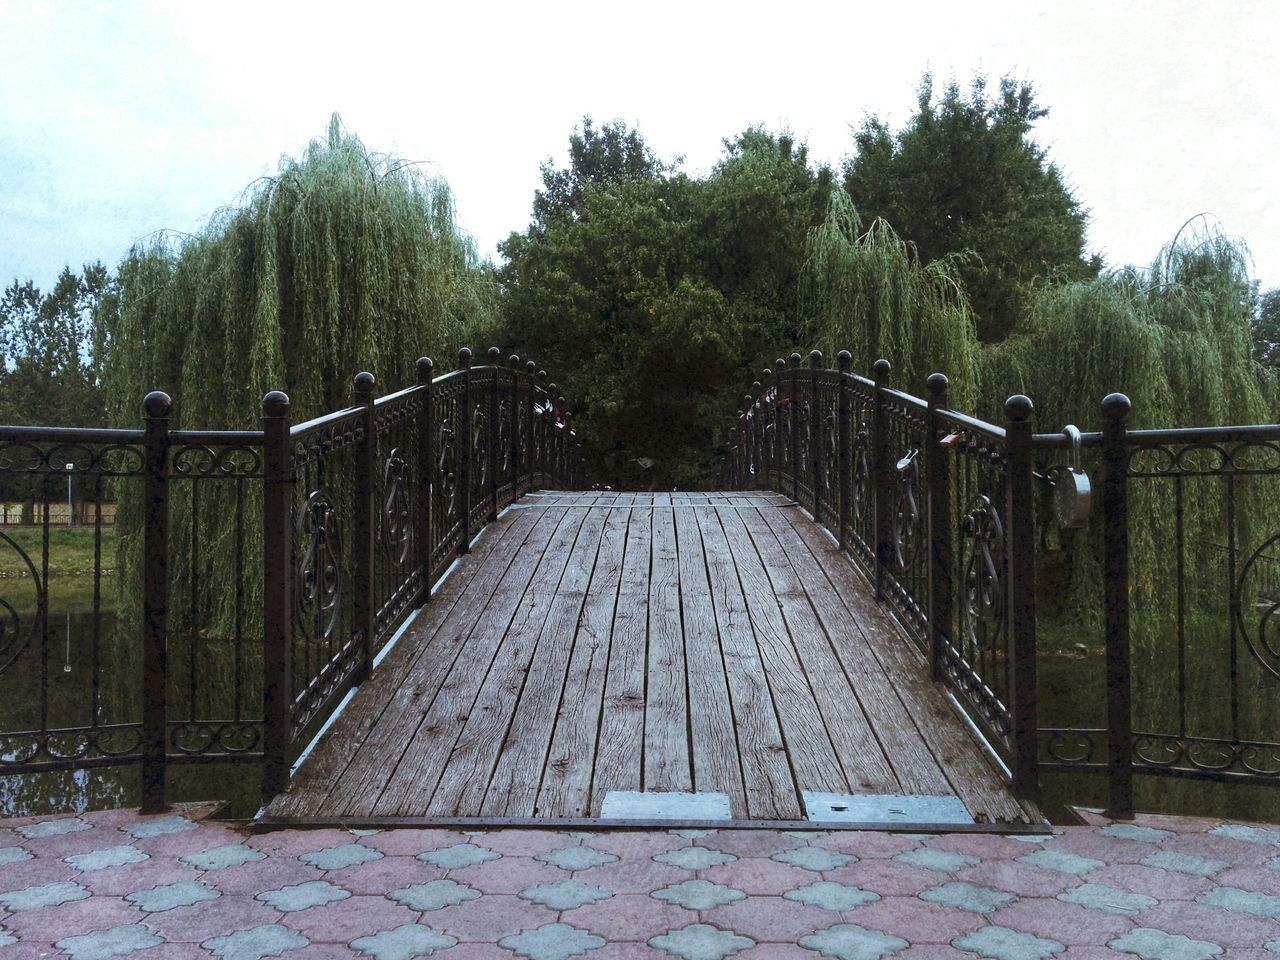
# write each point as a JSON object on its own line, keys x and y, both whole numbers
{"x": 1266, "y": 329}
{"x": 964, "y": 179}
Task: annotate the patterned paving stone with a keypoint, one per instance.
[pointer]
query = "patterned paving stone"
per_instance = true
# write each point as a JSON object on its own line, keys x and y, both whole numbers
{"x": 966, "y": 896}
{"x": 1130, "y": 831}
{"x": 566, "y": 894}
{"x": 1242, "y": 831}
{"x": 270, "y": 940}
{"x": 576, "y": 858}
{"x": 171, "y": 895}
{"x": 335, "y": 858}
{"x": 848, "y": 941}
{"x": 692, "y": 833}
{"x": 1100, "y": 896}
{"x": 159, "y": 827}
{"x": 403, "y": 943}
{"x": 1273, "y": 946}
{"x": 1002, "y": 943}
{"x": 817, "y": 859}
{"x": 695, "y": 858}
{"x": 6, "y": 938}
{"x": 943, "y": 861}
{"x": 220, "y": 858}
{"x": 434, "y": 894}
{"x": 459, "y": 855}
{"x": 45, "y": 895}
{"x": 103, "y": 859}
{"x": 1157, "y": 945}
{"x": 1242, "y": 901}
{"x": 698, "y": 894}
{"x": 116, "y": 942}
{"x": 52, "y": 828}
{"x": 836, "y": 897}
{"x": 302, "y": 896}
{"x": 1062, "y": 861}
{"x": 701, "y": 941}
{"x": 10, "y": 855}
{"x": 552, "y": 941}
{"x": 1184, "y": 863}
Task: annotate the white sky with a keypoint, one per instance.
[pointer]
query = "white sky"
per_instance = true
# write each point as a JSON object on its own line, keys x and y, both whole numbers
{"x": 118, "y": 119}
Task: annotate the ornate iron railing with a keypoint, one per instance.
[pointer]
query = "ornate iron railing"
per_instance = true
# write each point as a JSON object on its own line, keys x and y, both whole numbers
{"x": 267, "y": 567}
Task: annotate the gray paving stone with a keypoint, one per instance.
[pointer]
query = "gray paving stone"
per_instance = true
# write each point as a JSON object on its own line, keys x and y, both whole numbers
{"x": 6, "y": 938}
{"x": 1273, "y": 946}
{"x": 116, "y": 942}
{"x": 944, "y": 861}
{"x": 701, "y": 941}
{"x": 1273, "y": 863}
{"x": 434, "y": 895}
{"x": 170, "y": 895}
{"x": 695, "y": 858}
{"x": 403, "y": 943}
{"x": 269, "y": 940}
{"x": 1001, "y": 943}
{"x": 1157, "y": 945}
{"x": 345, "y": 855}
{"x": 363, "y": 832}
{"x": 966, "y": 896}
{"x": 44, "y": 895}
{"x": 698, "y": 894}
{"x": 1062, "y": 862}
{"x": 836, "y": 897}
{"x": 13, "y": 855}
{"x": 848, "y": 941}
{"x": 1100, "y": 896}
{"x": 552, "y": 941}
{"x": 1131, "y": 831}
{"x": 1242, "y": 831}
{"x": 566, "y": 894}
{"x": 458, "y": 856}
{"x": 1242, "y": 901}
{"x": 576, "y": 858}
{"x": 816, "y": 859}
{"x": 52, "y": 828}
{"x": 219, "y": 858}
{"x": 300, "y": 896}
{"x": 105, "y": 859}
{"x": 160, "y": 827}
{"x": 1184, "y": 863}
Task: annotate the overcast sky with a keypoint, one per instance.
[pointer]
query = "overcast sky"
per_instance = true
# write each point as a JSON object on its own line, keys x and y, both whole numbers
{"x": 119, "y": 119}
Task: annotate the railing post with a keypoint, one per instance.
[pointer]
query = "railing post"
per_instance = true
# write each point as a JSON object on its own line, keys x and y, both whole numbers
{"x": 531, "y": 369}
{"x": 780, "y": 452}
{"x": 757, "y": 436}
{"x": 794, "y": 406}
{"x": 426, "y": 475}
{"x": 937, "y": 465}
{"x": 546, "y": 434}
{"x": 745, "y": 477}
{"x": 844, "y": 363}
{"x": 1020, "y": 537}
{"x": 817, "y": 423}
{"x": 766, "y": 437}
{"x": 363, "y": 526}
{"x": 514, "y": 363}
{"x": 495, "y": 361}
{"x": 1115, "y": 588}
{"x": 277, "y": 585}
{"x": 882, "y": 481}
{"x": 464, "y": 440}
{"x": 156, "y": 407}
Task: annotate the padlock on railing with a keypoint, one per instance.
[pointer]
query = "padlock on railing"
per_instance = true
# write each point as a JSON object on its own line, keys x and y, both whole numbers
{"x": 1072, "y": 494}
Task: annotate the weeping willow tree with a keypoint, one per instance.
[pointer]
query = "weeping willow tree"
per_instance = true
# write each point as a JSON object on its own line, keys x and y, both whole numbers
{"x": 344, "y": 260}
{"x": 869, "y": 294}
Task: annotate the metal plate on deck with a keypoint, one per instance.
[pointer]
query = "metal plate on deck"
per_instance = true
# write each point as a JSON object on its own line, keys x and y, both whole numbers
{"x": 635, "y": 805}
{"x": 884, "y": 808}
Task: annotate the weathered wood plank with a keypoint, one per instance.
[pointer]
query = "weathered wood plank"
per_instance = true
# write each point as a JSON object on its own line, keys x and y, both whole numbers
{"x": 666, "y": 715}
{"x": 621, "y": 741}
{"x": 713, "y": 736}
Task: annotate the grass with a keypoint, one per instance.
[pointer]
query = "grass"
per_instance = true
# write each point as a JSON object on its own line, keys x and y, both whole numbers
{"x": 71, "y": 550}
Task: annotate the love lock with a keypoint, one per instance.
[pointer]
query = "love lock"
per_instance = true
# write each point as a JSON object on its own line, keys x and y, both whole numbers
{"x": 1072, "y": 495}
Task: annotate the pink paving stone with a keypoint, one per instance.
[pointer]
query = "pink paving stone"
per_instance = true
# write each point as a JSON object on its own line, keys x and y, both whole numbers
{"x": 1022, "y": 879}
{"x": 1202, "y": 922}
{"x": 915, "y": 920}
{"x": 490, "y": 918}
{"x": 345, "y": 920}
{"x": 69, "y": 919}
{"x": 770, "y": 919}
{"x": 31, "y": 873}
{"x": 752, "y": 843}
{"x": 1257, "y": 879}
{"x": 1161, "y": 821}
{"x": 31, "y": 950}
{"x": 379, "y": 876}
{"x": 929, "y": 951}
{"x": 641, "y": 845}
{"x": 1235, "y": 852}
{"x": 776, "y": 951}
{"x": 635, "y": 876}
{"x": 177, "y": 951}
{"x": 409, "y": 842}
{"x": 523, "y": 843}
{"x": 1152, "y": 881}
{"x": 1065, "y": 922}
{"x": 867, "y": 843}
{"x": 294, "y": 843}
{"x": 189, "y": 841}
{"x": 984, "y": 846}
{"x": 509, "y": 875}
{"x": 887, "y": 877}
{"x": 630, "y": 916}
{"x": 82, "y": 841}
{"x": 636, "y": 951}
{"x": 758, "y": 876}
{"x": 478, "y": 951}
{"x": 1088, "y": 953}
{"x": 1087, "y": 843}
{"x": 212, "y": 918}
{"x": 259, "y": 875}
{"x": 118, "y": 881}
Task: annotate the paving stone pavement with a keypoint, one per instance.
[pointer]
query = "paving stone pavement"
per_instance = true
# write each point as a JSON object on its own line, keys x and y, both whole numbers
{"x": 116, "y": 884}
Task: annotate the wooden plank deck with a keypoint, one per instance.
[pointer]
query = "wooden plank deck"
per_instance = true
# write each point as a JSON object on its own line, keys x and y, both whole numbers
{"x": 594, "y": 642}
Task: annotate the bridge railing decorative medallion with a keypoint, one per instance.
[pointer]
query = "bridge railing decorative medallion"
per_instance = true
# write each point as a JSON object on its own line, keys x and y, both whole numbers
{"x": 257, "y": 573}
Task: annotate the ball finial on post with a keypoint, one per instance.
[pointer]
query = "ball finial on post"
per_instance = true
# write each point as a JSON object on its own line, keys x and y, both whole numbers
{"x": 844, "y": 361}
{"x": 1019, "y": 408}
{"x": 276, "y": 404}
{"x": 1116, "y": 406}
{"x": 938, "y": 384}
{"x": 464, "y": 358}
{"x": 882, "y": 368}
{"x": 157, "y": 404}
{"x": 363, "y": 383}
{"x": 815, "y": 359}
{"x": 495, "y": 356}
{"x": 426, "y": 369}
